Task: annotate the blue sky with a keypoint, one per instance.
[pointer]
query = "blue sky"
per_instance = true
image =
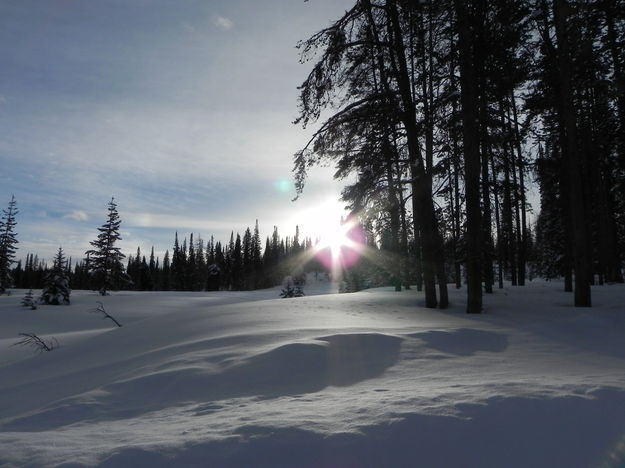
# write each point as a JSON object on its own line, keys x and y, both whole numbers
{"x": 181, "y": 109}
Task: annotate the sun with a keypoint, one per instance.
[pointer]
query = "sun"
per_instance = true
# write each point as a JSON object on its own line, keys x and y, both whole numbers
{"x": 338, "y": 239}
{"x": 340, "y": 246}
{"x": 335, "y": 236}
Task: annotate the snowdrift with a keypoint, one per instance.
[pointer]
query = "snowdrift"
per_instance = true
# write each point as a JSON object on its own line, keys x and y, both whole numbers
{"x": 369, "y": 379}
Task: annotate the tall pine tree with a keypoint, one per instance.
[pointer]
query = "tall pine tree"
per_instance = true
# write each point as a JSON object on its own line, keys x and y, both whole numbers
{"x": 105, "y": 259}
{"x": 8, "y": 240}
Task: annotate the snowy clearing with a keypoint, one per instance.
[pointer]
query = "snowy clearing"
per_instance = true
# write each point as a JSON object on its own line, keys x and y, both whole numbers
{"x": 369, "y": 379}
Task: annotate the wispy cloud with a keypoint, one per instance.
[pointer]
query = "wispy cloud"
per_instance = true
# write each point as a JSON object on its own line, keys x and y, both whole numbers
{"x": 77, "y": 215}
{"x": 190, "y": 130}
{"x": 223, "y": 23}
{"x": 173, "y": 222}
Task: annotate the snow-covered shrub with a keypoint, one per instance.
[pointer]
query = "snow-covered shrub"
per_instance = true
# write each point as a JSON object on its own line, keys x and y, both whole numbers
{"x": 291, "y": 288}
{"x": 29, "y": 300}
{"x": 56, "y": 290}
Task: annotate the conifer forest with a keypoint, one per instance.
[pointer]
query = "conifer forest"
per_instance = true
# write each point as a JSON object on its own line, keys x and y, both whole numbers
{"x": 481, "y": 142}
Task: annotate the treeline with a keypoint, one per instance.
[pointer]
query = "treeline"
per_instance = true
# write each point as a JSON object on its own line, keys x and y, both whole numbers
{"x": 193, "y": 265}
{"x": 240, "y": 264}
{"x": 445, "y": 111}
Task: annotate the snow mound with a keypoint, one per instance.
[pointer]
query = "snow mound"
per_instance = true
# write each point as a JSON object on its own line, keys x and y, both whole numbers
{"x": 341, "y": 380}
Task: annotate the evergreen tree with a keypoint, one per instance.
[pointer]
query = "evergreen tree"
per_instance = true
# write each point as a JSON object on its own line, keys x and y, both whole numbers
{"x": 191, "y": 272}
{"x": 133, "y": 270}
{"x": 80, "y": 277}
{"x": 29, "y": 300}
{"x": 228, "y": 263}
{"x": 216, "y": 279}
{"x": 166, "y": 273}
{"x": 184, "y": 267}
{"x": 210, "y": 251}
{"x": 248, "y": 267}
{"x": 153, "y": 270}
{"x": 18, "y": 275}
{"x": 105, "y": 259}
{"x": 201, "y": 270}
{"x": 56, "y": 290}
{"x": 176, "y": 265}
{"x": 257, "y": 259}
{"x": 8, "y": 240}
{"x": 237, "y": 265}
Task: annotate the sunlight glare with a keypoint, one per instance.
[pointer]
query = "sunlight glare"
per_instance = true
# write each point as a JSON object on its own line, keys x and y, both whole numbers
{"x": 335, "y": 236}
{"x": 338, "y": 239}
{"x": 340, "y": 246}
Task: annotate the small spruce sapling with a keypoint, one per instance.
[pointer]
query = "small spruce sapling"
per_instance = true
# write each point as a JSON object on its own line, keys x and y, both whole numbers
{"x": 29, "y": 300}
{"x": 56, "y": 290}
{"x": 291, "y": 288}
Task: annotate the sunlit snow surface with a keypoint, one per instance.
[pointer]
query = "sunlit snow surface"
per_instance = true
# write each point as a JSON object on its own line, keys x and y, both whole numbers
{"x": 369, "y": 379}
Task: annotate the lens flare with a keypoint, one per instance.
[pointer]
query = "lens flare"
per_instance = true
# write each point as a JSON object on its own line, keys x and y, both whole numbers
{"x": 283, "y": 185}
{"x": 340, "y": 246}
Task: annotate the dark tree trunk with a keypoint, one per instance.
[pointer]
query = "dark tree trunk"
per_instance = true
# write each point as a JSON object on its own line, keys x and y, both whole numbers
{"x": 487, "y": 235}
{"x": 395, "y": 227}
{"x": 432, "y": 251}
{"x": 608, "y": 251}
{"x": 486, "y": 221}
{"x": 619, "y": 78}
{"x": 455, "y": 161}
{"x": 508, "y": 234}
{"x": 517, "y": 214}
{"x": 497, "y": 225}
{"x": 522, "y": 195}
{"x": 404, "y": 242}
{"x": 572, "y": 160}
{"x": 470, "y": 129}
{"x": 508, "y": 222}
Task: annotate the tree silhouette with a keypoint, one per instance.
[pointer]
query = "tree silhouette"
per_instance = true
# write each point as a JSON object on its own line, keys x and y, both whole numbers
{"x": 8, "y": 240}
{"x": 105, "y": 260}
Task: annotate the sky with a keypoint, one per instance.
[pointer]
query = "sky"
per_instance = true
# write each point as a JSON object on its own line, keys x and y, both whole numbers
{"x": 180, "y": 109}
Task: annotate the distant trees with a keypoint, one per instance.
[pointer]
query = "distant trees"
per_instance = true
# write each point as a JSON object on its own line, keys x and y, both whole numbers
{"x": 104, "y": 261}
{"x": 196, "y": 265}
{"x": 8, "y": 241}
{"x": 239, "y": 264}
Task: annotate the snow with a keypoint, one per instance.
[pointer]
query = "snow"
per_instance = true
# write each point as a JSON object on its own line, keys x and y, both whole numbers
{"x": 368, "y": 379}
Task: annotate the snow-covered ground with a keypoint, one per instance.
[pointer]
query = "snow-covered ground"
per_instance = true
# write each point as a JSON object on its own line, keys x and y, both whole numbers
{"x": 370, "y": 379}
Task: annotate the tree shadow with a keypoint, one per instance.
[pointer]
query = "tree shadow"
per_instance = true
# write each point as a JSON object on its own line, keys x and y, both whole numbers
{"x": 464, "y": 341}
